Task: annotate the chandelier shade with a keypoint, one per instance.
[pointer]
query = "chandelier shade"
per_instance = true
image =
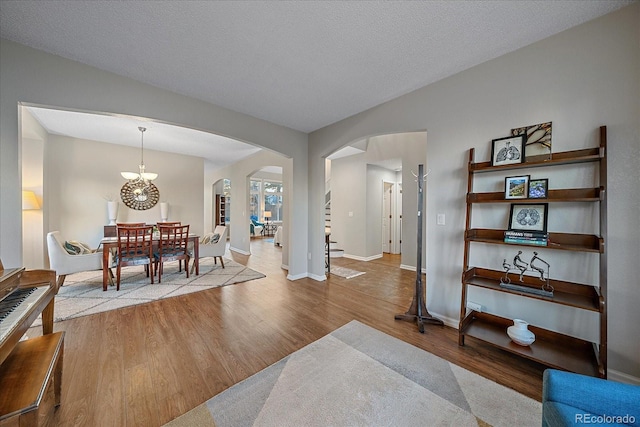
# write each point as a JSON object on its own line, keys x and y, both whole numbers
{"x": 139, "y": 192}
{"x": 129, "y": 175}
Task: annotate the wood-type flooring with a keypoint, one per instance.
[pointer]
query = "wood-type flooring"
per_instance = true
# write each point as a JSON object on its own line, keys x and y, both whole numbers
{"x": 145, "y": 365}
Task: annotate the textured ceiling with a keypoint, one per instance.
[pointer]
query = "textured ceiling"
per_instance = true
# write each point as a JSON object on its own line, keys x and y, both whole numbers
{"x": 301, "y": 64}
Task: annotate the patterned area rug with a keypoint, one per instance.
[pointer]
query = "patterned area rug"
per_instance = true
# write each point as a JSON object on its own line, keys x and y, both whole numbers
{"x": 359, "y": 376}
{"x": 82, "y": 293}
{"x": 347, "y": 273}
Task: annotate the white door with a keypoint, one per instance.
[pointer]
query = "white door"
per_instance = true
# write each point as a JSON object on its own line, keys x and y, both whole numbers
{"x": 387, "y": 201}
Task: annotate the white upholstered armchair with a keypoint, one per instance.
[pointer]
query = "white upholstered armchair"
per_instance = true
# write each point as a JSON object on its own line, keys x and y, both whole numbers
{"x": 213, "y": 245}
{"x": 64, "y": 263}
{"x": 277, "y": 238}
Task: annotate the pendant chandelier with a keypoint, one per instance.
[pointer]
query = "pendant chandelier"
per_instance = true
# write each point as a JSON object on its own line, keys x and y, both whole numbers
{"x": 142, "y": 175}
{"x": 139, "y": 192}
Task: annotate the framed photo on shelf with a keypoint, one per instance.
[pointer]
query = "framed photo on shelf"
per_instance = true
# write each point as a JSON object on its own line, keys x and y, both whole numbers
{"x": 507, "y": 151}
{"x": 538, "y": 188}
{"x": 516, "y": 187}
{"x": 538, "y": 141}
{"x": 527, "y": 217}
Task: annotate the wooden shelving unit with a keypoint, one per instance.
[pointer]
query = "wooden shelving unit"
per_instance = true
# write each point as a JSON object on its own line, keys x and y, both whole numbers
{"x": 551, "y": 348}
{"x": 221, "y": 209}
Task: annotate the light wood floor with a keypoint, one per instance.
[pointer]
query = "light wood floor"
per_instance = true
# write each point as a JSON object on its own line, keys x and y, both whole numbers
{"x": 148, "y": 364}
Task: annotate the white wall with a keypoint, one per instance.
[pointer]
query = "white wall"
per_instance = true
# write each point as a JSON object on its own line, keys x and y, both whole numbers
{"x": 348, "y": 204}
{"x": 32, "y": 155}
{"x": 579, "y": 79}
{"x": 81, "y": 174}
{"x": 34, "y": 77}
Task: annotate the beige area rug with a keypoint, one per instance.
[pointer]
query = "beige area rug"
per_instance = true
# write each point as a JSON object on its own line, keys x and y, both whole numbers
{"x": 347, "y": 273}
{"x": 82, "y": 293}
{"x": 359, "y": 376}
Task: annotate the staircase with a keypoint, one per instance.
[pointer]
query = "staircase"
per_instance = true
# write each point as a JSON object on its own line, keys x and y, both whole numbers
{"x": 334, "y": 251}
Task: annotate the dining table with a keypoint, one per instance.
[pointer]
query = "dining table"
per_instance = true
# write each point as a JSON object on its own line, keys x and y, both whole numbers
{"x": 108, "y": 243}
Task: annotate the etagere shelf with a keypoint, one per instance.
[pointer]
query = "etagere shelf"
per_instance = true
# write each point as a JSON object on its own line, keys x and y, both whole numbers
{"x": 550, "y": 348}
{"x": 221, "y": 209}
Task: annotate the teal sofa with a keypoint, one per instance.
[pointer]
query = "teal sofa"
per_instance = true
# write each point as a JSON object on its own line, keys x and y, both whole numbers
{"x": 570, "y": 399}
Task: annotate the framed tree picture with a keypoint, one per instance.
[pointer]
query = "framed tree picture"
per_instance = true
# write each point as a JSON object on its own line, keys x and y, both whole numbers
{"x": 537, "y": 141}
{"x": 516, "y": 187}
{"x": 507, "y": 151}
{"x": 527, "y": 217}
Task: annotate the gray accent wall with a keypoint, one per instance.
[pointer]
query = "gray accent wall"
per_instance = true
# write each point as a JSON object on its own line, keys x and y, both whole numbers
{"x": 579, "y": 79}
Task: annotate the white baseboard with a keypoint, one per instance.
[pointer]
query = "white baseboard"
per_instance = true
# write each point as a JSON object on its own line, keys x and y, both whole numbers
{"x": 361, "y": 258}
{"x": 447, "y": 320}
{"x": 411, "y": 268}
{"x": 240, "y": 251}
{"x": 284, "y": 267}
{"x": 621, "y": 377}
{"x": 318, "y": 277}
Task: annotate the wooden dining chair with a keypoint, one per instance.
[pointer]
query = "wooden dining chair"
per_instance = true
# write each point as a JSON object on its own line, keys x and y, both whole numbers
{"x": 166, "y": 223}
{"x": 135, "y": 247}
{"x": 169, "y": 223}
{"x": 114, "y": 251}
{"x": 173, "y": 246}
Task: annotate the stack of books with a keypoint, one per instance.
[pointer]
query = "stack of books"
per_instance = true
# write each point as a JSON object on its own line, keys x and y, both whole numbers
{"x": 526, "y": 237}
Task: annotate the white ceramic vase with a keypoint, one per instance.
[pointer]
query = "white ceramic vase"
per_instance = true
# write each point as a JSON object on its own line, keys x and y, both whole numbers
{"x": 519, "y": 333}
{"x": 164, "y": 211}
{"x": 112, "y": 209}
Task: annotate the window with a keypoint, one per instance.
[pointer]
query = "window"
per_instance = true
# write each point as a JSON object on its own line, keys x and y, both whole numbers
{"x": 273, "y": 199}
{"x": 255, "y": 207}
{"x": 265, "y": 196}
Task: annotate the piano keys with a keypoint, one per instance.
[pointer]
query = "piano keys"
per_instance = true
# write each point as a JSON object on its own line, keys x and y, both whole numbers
{"x": 24, "y": 295}
{"x": 30, "y": 367}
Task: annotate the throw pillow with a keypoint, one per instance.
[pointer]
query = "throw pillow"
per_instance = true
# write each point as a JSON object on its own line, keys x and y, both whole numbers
{"x": 210, "y": 239}
{"x": 206, "y": 239}
{"x": 72, "y": 249}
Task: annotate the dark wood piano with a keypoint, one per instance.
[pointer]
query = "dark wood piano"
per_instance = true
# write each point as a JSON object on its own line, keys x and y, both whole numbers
{"x": 27, "y": 367}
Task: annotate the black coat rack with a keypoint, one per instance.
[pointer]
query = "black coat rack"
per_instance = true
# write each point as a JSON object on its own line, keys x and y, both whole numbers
{"x": 418, "y": 311}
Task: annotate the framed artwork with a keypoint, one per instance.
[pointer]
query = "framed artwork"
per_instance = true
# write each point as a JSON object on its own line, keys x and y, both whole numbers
{"x": 527, "y": 217}
{"x": 537, "y": 141}
{"x": 516, "y": 187}
{"x": 538, "y": 188}
{"x": 507, "y": 151}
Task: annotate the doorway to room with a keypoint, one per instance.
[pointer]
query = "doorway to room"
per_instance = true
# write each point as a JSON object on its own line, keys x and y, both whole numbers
{"x": 391, "y": 225}
{"x": 363, "y": 195}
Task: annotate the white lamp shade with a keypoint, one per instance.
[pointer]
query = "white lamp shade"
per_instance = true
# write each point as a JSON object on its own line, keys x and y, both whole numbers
{"x": 29, "y": 201}
{"x": 149, "y": 176}
{"x": 129, "y": 175}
